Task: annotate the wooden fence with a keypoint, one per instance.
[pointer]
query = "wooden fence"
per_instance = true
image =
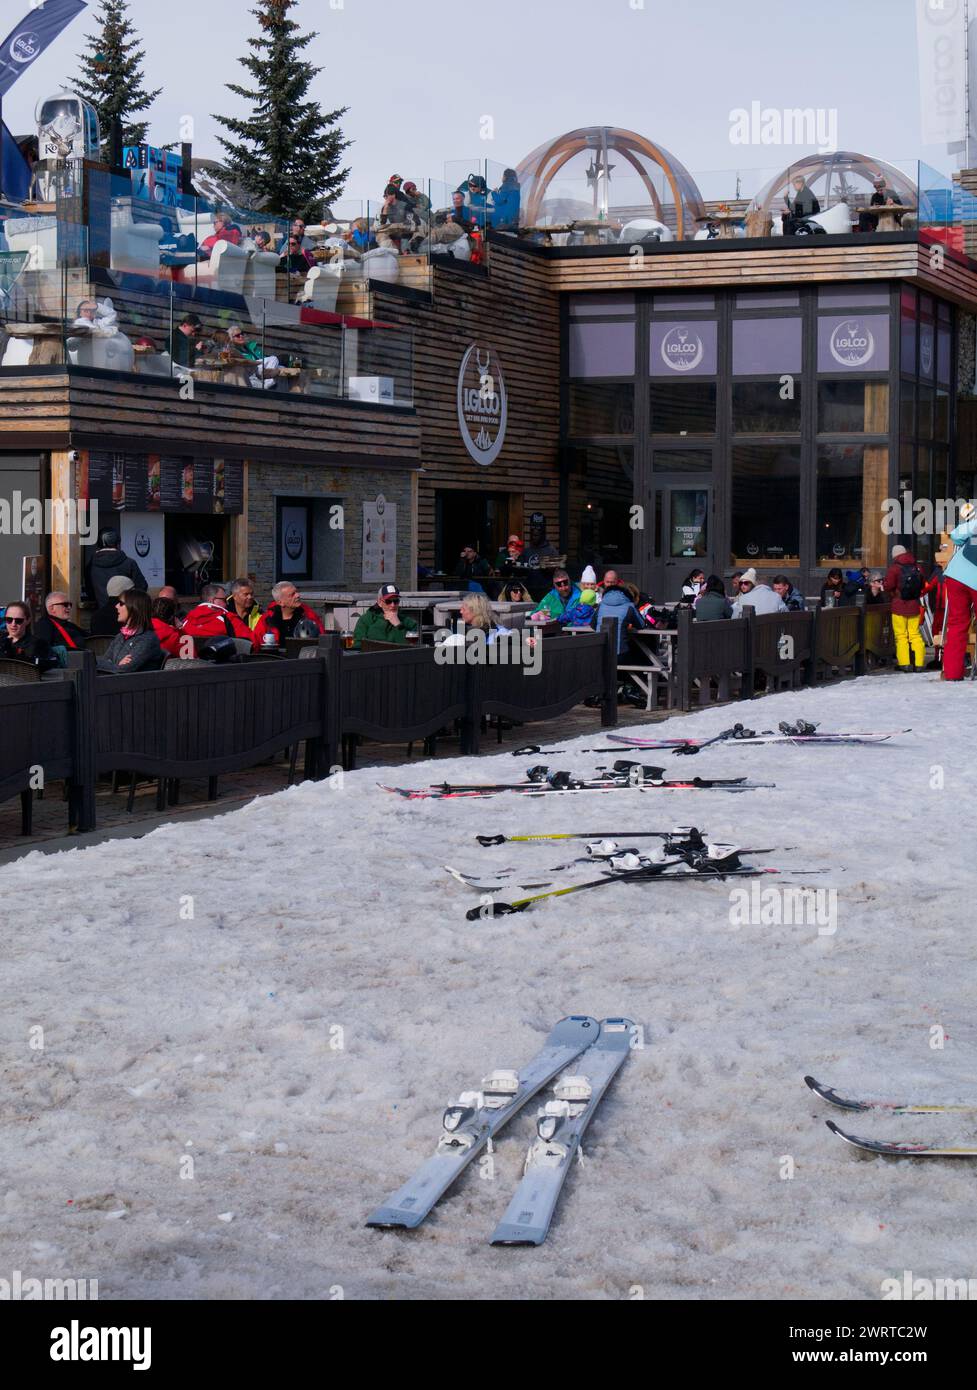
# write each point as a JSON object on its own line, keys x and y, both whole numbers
{"x": 205, "y": 721}
{"x": 740, "y": 657}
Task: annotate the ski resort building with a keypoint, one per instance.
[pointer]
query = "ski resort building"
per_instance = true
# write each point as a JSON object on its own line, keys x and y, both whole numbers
{"x": 652, "y": 378}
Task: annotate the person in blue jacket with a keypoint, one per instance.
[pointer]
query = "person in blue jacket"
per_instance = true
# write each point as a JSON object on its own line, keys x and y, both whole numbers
{"x": 505, "y": 203}
{"x": 583, "y": 612}
{"x": 961, "y": 593}
{"x": 618, "y": 604}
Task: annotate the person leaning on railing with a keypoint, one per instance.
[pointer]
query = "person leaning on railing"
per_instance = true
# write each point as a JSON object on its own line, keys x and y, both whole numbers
{"x": 136, "y": 646}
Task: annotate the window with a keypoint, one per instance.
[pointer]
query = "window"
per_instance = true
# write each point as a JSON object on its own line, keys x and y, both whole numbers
{"x": 309, "y": 544}
{"x": 840, "y": 296}
{"x": 601, "y": 495}
{"x": 768, "y": 345}
{"x": 602, "y": 349}
{"x": 682, "y": 461}
{"x": 586, "y": 305}
{"x": 760, "y": 407}
{"x": 766, "y": 504}
{"x": 768, "y": 299}
{"x": 601, "y": 409}
{"x": 686, "y": 407}
{"x": 683, "y": 303}
{"x": 851, "y": 490}
{"x": 855, "y": 343}
{"x": 853, "y": 407}
{"x": 682, "y": 349}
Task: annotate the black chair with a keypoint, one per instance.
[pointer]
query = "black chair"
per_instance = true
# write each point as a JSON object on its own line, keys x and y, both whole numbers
{"x": 14, "y": 672}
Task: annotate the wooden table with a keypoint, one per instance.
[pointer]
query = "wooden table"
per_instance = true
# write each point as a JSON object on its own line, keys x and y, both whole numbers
{"x": 655, "y": 649}
{"x": 725, "y": 221}
{"x": 48, "y": 342}
{"x": 888, "y": 215}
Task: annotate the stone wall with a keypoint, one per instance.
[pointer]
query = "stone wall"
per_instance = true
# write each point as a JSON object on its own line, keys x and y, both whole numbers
{"x": 351, "y": 487}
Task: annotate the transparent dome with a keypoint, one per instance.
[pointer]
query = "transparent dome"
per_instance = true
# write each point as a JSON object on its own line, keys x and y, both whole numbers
{"x": 605, "y": 174}
{"x": 840, "y": 177}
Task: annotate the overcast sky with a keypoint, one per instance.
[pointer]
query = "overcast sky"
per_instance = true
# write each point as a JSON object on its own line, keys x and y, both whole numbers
{"x": 420, "y": 76}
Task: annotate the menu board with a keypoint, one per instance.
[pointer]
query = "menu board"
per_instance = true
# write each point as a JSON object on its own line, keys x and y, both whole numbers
{"x": 379, "y": 540}
{"x": 162, "y": 483}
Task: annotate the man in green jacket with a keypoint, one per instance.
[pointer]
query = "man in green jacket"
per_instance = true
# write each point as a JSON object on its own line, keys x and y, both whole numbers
{"x": 382, "y": 622}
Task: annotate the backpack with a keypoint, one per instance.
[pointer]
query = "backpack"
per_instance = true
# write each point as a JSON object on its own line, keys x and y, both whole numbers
{"x": 911, "y": 583}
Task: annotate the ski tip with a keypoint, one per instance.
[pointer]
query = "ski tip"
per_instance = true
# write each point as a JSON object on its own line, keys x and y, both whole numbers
{"x": 813, "y": 1085}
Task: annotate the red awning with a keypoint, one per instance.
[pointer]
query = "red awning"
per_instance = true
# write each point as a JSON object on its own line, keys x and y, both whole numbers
{"x": 309, "y": 315}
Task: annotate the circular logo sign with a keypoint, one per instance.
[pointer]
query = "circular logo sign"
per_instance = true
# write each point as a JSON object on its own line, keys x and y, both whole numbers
{"x": 753, "y": 548}
{"x": 851, "y": 343}
{"x": 942, "y": 12}
{"x": 682, "y": 348}
{"x": 482, "y": 403}
{"x": 142, "y": 543}
{"x": 25, "y": 46}
{"x": 294, "y": 542}
{"x": 380, "y": 503}
{"x": 926, "y": 349}
{"x": 837, "y": 551}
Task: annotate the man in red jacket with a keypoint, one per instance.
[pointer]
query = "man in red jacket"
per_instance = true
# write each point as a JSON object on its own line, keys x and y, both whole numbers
{"x": 904, "y": 585}
{"x": 211, "y": 619}
{"x": 287, "y": 610}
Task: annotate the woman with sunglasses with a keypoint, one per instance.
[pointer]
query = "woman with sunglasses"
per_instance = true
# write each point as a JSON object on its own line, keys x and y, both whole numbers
{"x": 18, "y": 642}
{"x": 136, "y": 647}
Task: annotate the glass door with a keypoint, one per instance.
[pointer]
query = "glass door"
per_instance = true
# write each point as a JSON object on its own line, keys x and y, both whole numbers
{"x": 683, "y": 536}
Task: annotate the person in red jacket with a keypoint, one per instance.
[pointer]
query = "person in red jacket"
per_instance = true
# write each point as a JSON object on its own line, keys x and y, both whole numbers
{"x": 165, "y": 626}
{"x": 904, "y": 584}
{"x": 224, "y": 230}
{"x": 287, "y": 610}
{"x": 211, "y": 619}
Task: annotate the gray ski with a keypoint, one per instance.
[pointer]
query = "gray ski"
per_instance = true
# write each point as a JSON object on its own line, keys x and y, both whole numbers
{"x": 560, "y": 1126}
{"x": 478, "y": 1117}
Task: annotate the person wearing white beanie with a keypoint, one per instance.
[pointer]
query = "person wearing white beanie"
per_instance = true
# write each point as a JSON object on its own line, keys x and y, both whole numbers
{"x": 588, "y": 580}
{"x": 760, "y": 597}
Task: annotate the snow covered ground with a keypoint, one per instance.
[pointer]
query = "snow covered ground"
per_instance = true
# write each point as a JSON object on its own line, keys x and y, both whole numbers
{"x": 321, "y": 917}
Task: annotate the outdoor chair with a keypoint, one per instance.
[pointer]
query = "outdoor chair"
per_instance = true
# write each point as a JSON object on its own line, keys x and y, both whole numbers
{"x": 14, "y": 672}
{"x": 99, "y": 643}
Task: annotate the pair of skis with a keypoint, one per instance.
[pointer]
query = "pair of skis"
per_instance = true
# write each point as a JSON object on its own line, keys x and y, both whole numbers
{"x": 801, "y": 733}
{"x": 623, "y": 776}
{"x": 892, "y": 1107}
{"x": 676, "y": 864}
{"x": 598, "y": 1051}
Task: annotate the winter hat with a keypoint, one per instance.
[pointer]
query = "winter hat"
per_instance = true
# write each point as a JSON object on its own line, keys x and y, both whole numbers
{"x": 748, "y": 577}
{"x": 588, "y": 596}
{"x": 588, "y": 576}
{"x": 898, "y": 550}
{"x": 119, "y": 584}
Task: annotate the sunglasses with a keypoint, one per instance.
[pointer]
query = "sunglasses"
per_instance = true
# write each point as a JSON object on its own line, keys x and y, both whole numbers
{"x": 16, "y": 622}
{"x": 61, "y": 605}
{"x": 562, "y": 584}
{"x": 391, "y": 599}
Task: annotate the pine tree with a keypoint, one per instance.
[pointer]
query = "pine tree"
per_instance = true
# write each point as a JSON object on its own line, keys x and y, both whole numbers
{"x": 287, "y": 152}
{"x": 112, "y": 77}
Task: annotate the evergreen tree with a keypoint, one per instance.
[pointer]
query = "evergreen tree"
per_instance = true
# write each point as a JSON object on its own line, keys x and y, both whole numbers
{"x": 112, "y": 76}
{"x": 288, "y": 151}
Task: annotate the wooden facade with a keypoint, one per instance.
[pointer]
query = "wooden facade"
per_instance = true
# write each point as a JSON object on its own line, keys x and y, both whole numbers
{"x": 513, "y": 307}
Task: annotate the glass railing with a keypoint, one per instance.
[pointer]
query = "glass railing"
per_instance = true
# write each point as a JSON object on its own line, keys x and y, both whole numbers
{"x": 43, "y": 286}
{"x": 175, "y": 330}
{"x": 835, "y": 191}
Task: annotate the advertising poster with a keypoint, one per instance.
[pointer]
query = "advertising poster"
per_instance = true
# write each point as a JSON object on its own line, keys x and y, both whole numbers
{"x": 143, "y": 539}
{"x": 379, "y": 541}
{"x": 33, "y": 586}
{"x": 294, "y": 522}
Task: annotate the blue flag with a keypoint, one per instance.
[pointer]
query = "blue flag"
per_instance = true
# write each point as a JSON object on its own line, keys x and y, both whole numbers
{"x": 15, "y": 173}
{"x": 39, "y": 28}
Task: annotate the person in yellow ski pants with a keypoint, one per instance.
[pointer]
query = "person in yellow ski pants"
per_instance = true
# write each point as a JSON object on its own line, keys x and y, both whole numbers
{"x": 906, "y": 633}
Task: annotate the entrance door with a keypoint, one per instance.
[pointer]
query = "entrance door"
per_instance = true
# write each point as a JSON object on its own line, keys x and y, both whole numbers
{"x": 683, "y": 535}
{"x": 480, "y": 519}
